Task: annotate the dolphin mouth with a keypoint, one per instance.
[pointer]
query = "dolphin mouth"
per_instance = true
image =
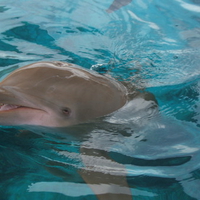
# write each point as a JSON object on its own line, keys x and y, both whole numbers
{"x": 10, "y": 107}
{"x": 7, "y": 107}
{"x": 12, "y": 114}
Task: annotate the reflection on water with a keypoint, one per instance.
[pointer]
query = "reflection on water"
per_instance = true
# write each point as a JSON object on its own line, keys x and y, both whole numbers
{"x": 140, "y": 151}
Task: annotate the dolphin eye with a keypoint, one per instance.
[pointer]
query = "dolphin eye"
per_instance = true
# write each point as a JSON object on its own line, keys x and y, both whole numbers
{"x": 66, "y": 111}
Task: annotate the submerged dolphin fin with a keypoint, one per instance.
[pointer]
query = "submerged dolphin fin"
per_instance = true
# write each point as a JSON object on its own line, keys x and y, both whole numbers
{"x": 117, "y": 4}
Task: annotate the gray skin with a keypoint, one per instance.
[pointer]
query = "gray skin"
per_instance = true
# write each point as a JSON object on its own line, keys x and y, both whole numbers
{"x": 57, "y": 94}
{"x": 117, "y": 4}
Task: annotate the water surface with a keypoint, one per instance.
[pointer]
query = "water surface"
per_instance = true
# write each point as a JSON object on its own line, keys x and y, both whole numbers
{"x": 151, "y": 44}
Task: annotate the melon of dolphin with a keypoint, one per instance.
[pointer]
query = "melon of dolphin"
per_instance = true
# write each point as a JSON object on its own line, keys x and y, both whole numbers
{"x": 57, "y": 94}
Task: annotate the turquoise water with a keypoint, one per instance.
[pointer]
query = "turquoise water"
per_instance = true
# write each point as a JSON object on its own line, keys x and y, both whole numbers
{"x": 151, "y": 44}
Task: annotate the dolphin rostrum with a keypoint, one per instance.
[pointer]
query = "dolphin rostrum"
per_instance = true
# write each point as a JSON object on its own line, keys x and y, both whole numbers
{"x": 57, "y": 94}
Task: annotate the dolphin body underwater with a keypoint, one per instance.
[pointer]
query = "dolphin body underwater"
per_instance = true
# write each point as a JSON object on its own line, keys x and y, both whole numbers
{"x": 117, "y": 4}
{"x": 57, "y": 94}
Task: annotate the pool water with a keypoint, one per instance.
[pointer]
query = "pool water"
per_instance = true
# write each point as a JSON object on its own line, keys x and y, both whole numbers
{"x": 140, "y": 152}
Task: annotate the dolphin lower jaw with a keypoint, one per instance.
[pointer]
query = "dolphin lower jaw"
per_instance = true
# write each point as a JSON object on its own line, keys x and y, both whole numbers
{"x": 11, "y": 114}
{"x": 17, "y": 115}
{"x": 12, "y": 107}
{"x": 6, "y": 107}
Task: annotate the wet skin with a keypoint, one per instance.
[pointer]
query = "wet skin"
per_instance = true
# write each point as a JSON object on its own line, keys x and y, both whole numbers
{"x": 57, "y": 94}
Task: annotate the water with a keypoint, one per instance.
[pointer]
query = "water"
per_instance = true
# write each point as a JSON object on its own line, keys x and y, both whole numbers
{"x": 151, "y": 44}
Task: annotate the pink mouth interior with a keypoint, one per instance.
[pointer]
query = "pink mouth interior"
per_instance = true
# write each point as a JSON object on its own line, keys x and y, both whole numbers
{"x": 5, "y": 107}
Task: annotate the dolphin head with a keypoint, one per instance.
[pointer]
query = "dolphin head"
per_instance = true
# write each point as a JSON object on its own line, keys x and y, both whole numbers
{"x": 57, "y": 94}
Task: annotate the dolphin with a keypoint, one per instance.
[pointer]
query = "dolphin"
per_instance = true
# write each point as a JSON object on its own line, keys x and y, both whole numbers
{"x": 117, "y": 4}
{"x": 57, "y": 94}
